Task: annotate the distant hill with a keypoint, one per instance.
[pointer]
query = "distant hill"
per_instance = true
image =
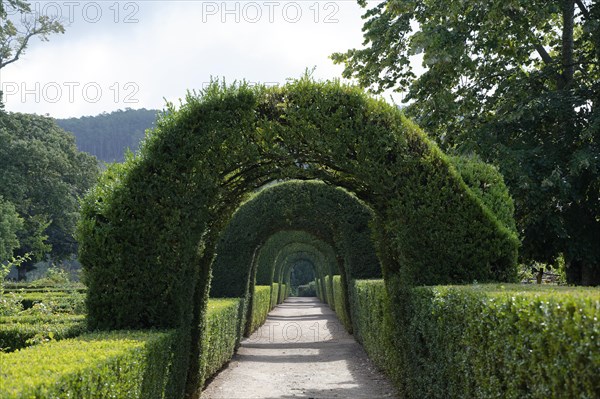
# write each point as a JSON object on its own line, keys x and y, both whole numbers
{"x": 107, "y": 136}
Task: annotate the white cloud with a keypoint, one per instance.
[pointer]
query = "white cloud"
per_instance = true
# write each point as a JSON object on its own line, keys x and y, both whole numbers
{"x": 177, "y": 46}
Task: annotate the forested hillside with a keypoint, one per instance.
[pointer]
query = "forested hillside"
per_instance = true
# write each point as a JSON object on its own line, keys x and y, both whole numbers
{"x": 107, "y": 136}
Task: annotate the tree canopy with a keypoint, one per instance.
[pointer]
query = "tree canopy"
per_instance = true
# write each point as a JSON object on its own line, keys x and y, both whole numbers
{"x": 10, "y": 224}
{"x": 43, "y": 176}
{"x": 517, "y": 83}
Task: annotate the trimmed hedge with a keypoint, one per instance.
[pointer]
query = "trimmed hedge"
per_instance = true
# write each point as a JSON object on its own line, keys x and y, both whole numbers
{"x": 223, "y": 320}
{"x": 328, "y": 283}
{"x": 120, "y": 365}
{"x": 42, "y": 318}
{"x": 340, "y": 303}
{"x": 55, "y": 301}
{"x": 308, "y": 290}
{"x": 274, "y": 294}
{"x": 279, "y": 250}
{"x": 332, "y": 214}
{"x": 261, "y": 306}
{"x": 17, "y": 335}
{"x": 319, "y": 290}
{"x": 160, "y": 212}
{"x": 482, "y": 341}
{"x": 282, "y": 293}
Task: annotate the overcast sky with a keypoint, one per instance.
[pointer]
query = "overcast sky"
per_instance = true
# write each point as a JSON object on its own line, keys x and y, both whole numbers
{"x": 136, "y": 54}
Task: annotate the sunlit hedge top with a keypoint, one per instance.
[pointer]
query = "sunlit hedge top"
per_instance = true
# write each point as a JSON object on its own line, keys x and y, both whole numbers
{"x": 146, "y": 224}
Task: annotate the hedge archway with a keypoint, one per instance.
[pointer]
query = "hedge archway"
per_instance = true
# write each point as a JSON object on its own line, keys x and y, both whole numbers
{"x": 328, "y": 213}
{"x": 271, "y": 251}
{"x": 150, "y": 226}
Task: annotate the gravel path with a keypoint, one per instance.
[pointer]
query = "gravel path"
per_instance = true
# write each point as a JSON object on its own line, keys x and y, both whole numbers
{"x": 302, "y": 351}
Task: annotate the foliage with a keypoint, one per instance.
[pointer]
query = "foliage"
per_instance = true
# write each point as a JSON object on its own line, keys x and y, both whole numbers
{"x": 18, "y": 25}
{"x": 223, "y": 320}
{"x": 260, "y": 308}
{"x": 275, "y": 287}
{"x": 331, "y": 214}
{"x": 482, "y": 341}
{"x": 515, "y": 82}
{"x": 329, "y": 297}
{"x": 16, "y": 334}
{"x": 16, "y": 32}
{"x": 43, "y": 175}
{"x": 320, "y": 290}
{"x": 161, "y": 212}
{"x": 10, "y": 224}
{"x": 109, "y": 136}
{"x": 120, "y": 364}
{"x": 302, "y": 272}
{"x": 307, "y": 290}
{"x": 10, "y": 304}
{"x": 278, "y": 250}
{"x": 283, "y": 292}
{"x": 340, "y": 301}
{"x": 53, "y": 302}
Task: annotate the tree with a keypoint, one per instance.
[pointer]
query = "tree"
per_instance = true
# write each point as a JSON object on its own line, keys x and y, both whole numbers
{"x": 14, "y": 38}
{"x": 10, "y": 224}
{"x": 16, "y": 32}
{"x": 518, "y": 83}
{"x": 43, "y": 175}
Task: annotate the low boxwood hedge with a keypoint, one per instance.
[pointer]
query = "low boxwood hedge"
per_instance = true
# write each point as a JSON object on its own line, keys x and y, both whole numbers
{"x": 55, "y": 301}
{"x": 118, "y": 364}
{"x": 42, "y": 318}
{"x": 482, "y": 341}
{"x": 261, "y": 305}
{"x": 223, "y": 320}
{"x": 17, "y": 335}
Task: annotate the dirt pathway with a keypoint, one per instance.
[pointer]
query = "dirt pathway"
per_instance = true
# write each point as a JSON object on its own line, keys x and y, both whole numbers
{"x": 302, "y": 351}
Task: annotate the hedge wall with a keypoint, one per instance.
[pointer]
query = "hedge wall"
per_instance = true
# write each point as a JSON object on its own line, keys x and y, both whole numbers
{"x": 274, "y": 294}
{"x": 282, "y": 293}
{"x": 223, "y": 320}
{"x": 328, "y": 284}
{"x": 320, "y": 290}
{"x": 340, "y": 303}
{"x": 54, "y": 301}
{"x": 483, "y": 341}
{"x": 260, "y": 308}
{"x": 120, "y": 365}
{"x": 16, "y": 335}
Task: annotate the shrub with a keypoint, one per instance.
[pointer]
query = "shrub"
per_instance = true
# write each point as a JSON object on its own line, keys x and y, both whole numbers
{"x": 483, "y": 341}
{"x": 261, "y": 305}
{"x": 307, "y": 290}
{"x": 221, "y": 336}
{"x": 319, "y": 291}
{"x": 340, "y": 303}
{"x": 53, "y": 302}
{"x": 23, "y": 333}
{"x": 328, "y": 282}
{"x": 124, "y": 365}
{"x": 274, "y": 294}
{"x": 282, "y": 293}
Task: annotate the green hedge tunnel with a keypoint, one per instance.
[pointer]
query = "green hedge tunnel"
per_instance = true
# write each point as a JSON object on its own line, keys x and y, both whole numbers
{"x": 150, "y": 227}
